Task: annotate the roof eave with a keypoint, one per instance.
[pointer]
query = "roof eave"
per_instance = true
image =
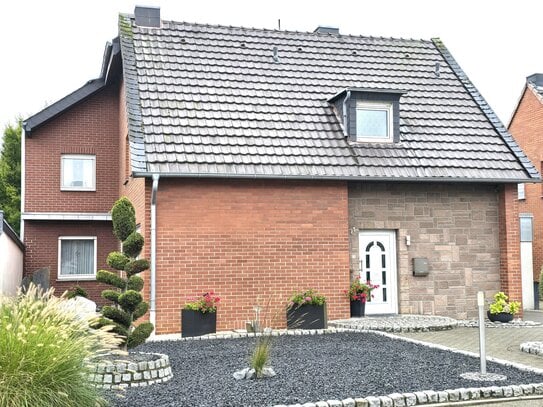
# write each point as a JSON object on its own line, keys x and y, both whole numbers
{"x": 109, "y": 63}
{"x": 146, "y": 174}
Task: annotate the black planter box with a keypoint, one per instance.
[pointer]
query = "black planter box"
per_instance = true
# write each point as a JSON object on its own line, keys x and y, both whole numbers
{"x": 358, "y": 308}
{"x": 195, "y": 323}
{"x": 307, "y": 317}
{"x": 500, "y": 317}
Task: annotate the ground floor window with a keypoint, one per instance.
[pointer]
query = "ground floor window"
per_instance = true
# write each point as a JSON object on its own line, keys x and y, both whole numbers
{"x": 77, "y": 257}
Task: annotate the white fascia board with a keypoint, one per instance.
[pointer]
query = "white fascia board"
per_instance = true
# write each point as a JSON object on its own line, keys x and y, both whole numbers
{"x": 65, "y": 216}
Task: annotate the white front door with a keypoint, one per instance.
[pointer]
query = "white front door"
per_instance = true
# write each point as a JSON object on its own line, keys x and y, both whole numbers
{"x": 377, "y": 250}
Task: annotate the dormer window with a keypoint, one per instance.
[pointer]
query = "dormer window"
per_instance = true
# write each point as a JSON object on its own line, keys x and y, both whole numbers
{"x": 369, "y": 115}
{"x": 373, "y": 121}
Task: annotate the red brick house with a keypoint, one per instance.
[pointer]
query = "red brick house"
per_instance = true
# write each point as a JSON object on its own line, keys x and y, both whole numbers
{"x": 261, "y": 162}
{"x": 526, "y": 126}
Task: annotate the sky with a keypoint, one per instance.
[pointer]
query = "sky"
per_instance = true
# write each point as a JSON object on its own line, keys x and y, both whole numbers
{"x": 50, "y": 48}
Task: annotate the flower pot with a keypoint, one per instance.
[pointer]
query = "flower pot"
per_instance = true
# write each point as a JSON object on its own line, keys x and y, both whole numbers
{"x": 307, "y": 317}
{"x": 500, "y": 317}
{"x": 358, "y": 308}
{"x": 195, "y": 323}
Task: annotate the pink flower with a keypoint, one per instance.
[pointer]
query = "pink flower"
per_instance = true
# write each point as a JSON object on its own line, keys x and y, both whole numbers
{"x": 307, "y": 299}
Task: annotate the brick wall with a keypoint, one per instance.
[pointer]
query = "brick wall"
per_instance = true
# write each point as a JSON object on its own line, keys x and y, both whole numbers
{"x": 249, "y": 241}
{"x": 454, "y": 226}
{"x": 90, "y": 127}
{"x": 527, "y": 129}
{"x": 510, "y": 272}
{"x": 41, "y": 240}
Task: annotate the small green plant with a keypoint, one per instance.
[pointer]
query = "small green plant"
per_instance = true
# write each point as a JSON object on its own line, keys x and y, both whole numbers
{"x": 128, "y": 304}
{"x": 206, "y": 303}
{"x": 44, "y": 352}
{"x": 261, "y": 354}
{"x": 501, "y": 304}
{"x": 76, "y": 291}
{"x": 308, "y": 297}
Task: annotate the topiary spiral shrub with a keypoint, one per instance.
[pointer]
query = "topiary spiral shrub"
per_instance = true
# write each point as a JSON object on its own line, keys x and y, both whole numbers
{"x": 128, "y": 304}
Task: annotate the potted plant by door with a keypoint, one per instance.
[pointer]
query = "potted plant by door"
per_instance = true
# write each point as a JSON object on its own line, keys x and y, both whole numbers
{"x": 501, "y": 310}
{"x": 199, "y": 316}
{"x": 359, "y": 293}
{"x": 307, "y": 310}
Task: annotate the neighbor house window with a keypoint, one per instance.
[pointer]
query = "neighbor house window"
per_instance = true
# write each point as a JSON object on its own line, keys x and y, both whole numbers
{"x": 78, "y": 172}
{"x": 521, "y": 191}
{"x": 76, "y": 258}
{"x": 373, "y": 121}
{"x": 526, "y": 228}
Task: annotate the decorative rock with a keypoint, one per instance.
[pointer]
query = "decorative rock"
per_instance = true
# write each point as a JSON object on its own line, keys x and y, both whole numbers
{"x": 248, "y": 373}
{"x": 373, "y": 401}
{"x": 432, "y": 396}
{"x": 453, "y": 395}
{"x": 386, "y": 401}
{"x": 442, "y": 396}
{"x": 361, "y": 402}
{"x": 397, "y": 399}
{"x": 410, "y": 399}
{"x": 240, "y": 374}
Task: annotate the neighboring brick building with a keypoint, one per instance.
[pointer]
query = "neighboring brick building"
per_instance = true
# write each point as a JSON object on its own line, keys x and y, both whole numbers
{"x": 261, "y": 162}
{"x": 526, "y": 126}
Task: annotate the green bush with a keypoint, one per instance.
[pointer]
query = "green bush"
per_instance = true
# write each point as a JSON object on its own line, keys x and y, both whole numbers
{"x": 140, "y": 334}
{"x": 116, "y": 315}
{"x": 136, "y": 266}
{"x": 141, "y": 310}
{"x": 123, "y": 217}
{"x": 129, "y": 300}
{"x": 117, "y": 260}
{"x": 43, "y": 352}
{"x": 133, "y": 244}
{"x": 76, "y": 291}
{"x": 135, "y": 283}
{"x": 107, "y": 277}
{"x": 111, "y": 295}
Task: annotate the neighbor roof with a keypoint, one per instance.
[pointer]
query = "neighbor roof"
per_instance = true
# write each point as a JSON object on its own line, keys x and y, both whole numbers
{"x": 213, "y": 101}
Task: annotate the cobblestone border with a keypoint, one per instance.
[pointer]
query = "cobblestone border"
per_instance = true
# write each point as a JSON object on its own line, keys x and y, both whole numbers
{"x": 535, "y": 348}
{"x": 516, "y": 323}
{"x": 425, "y": 397}
{"x": 121, "y": 374}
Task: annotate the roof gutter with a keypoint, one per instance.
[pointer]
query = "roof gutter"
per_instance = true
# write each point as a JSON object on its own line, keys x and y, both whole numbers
{"x": 340, "y": 178}
{"x": 154, "y": 190}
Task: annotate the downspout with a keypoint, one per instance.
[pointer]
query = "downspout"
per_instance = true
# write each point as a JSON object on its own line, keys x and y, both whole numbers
{"x": 152, "y": 312}
{"x": 23, "y": 181}
{"x": 345, "y": 120}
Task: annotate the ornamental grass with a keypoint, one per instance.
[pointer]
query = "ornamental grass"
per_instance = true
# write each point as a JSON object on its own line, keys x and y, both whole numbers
{"x": 44, "y": 352}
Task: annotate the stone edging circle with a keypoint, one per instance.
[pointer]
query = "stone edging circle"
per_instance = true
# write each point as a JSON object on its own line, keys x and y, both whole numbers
{"x": 120, "y": 374}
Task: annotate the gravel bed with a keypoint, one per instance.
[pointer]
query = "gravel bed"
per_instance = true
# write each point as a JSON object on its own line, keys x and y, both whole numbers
{"x": 309, "y": 368}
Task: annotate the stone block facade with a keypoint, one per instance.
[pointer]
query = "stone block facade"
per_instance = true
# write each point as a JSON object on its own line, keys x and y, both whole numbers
{"x": 455, "y": 226}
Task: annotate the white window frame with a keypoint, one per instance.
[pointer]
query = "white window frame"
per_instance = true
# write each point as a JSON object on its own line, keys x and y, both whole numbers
{"x": 383, "y": 106}
{"x": 77, "y": 157}
{"x": 75, "y": 277}
{"x": 521, "y": 191}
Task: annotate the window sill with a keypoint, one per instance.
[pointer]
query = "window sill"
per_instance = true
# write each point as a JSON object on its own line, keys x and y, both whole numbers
{"x": 66, "y": 189}
{"x": 76, "y": 278}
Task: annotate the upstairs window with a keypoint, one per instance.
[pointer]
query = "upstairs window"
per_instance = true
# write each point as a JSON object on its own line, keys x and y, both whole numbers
{"x": 78, "y": 173}
{"x": 373, "y": 121}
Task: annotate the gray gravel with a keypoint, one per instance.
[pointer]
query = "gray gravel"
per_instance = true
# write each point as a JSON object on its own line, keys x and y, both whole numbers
{"x": 309, "y": 368}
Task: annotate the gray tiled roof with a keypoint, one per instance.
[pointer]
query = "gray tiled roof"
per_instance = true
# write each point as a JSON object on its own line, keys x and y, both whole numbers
{"x": 212, "y": 101}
